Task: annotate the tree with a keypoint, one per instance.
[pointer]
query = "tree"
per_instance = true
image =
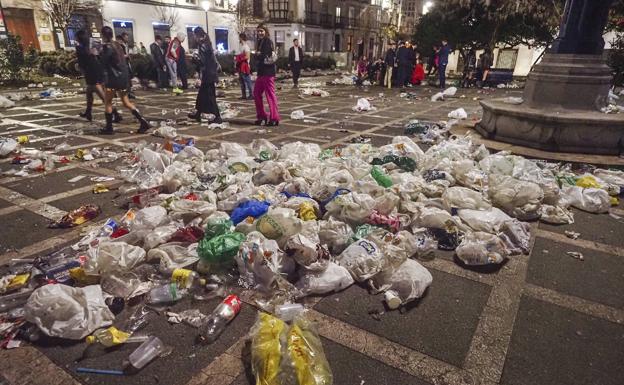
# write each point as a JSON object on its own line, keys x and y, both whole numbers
{"x": 615, "y": 58}
{"x": 167, "y": 15}
{"x": 61, "y": 12}
{"x": 244, "y": 14}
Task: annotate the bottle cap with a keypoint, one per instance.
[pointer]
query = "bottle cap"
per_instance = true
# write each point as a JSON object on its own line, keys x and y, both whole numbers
{"x": 392, "y": 299}
{"x": 90, "y": 340}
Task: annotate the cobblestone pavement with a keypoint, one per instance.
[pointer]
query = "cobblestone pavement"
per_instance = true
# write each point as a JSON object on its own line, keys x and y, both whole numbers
{"x": 544, "y": 318}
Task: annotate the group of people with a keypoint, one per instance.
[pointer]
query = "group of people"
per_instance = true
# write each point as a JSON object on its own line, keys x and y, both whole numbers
{"x": 476, "y": 71}
{"x": 107, "y": 72}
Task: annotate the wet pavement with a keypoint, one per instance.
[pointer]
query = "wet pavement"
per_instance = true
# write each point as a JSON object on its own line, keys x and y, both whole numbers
{"x": 545, "y": 318}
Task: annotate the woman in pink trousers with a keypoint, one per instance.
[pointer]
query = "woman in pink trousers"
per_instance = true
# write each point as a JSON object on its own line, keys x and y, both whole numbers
{"x": 265, "y": 82}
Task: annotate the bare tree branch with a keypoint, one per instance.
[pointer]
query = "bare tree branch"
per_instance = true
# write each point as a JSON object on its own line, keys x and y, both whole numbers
{"x": 167, "y": 15}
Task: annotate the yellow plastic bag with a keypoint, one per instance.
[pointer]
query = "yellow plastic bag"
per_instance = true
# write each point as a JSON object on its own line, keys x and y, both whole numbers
{"x": 587, "y": 181}
{"x": 265, "y": 349}
{"x": 305, "y": 351}
{"x": 306, "y": 212}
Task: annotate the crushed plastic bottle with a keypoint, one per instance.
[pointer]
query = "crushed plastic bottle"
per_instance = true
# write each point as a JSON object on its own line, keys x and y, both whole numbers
{"x": 166, "y": 294}
{"x": 216, "y": 322}
{"x": 113, "y": 336}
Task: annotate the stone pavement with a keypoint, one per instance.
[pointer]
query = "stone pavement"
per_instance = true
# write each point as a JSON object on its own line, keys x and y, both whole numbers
{"x": 545, "y": 318}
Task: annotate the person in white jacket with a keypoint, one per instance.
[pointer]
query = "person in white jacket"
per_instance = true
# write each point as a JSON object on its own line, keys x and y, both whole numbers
{"x": 172, "y": 55}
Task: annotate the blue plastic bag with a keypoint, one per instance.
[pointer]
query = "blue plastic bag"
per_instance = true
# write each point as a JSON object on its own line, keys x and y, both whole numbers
{"x": 253, "y": 208}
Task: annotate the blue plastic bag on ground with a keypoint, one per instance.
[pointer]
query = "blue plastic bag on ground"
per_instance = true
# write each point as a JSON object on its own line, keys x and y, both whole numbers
{"x": 252, "y": 208}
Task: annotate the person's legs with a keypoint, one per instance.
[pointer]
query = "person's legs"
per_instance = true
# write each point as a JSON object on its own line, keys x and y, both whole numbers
{"x": 296, "y": 70}
{"x": 108, "y": 112}
{"x": 243, "y": 85}
{"x": 162, "y": 78}
{"x": 272, "y": 100}
{"x": 173, "y": 76}
{"x": 442, "y": 71}
{"x": 184, "y": 79}
{"x": 388, "y": 79}
{"x": 247, "y": 81}
{"x": 258, "y": 91}
{"x": 89, "y": 95}
{"x": 143, "y": 124}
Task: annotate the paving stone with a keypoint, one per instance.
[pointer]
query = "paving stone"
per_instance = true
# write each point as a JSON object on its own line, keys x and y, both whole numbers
{"x": 50, "y": 184}
{"x": 441, "y": 324}
{"x": 244, "y": 137}
{"x": 600, "y": 228}
{"x": 350, "y": 368}
{"x": 556, "y": 346}
{"x": 18, "y": 223}
{"x": 12, "y": 112}
{"x": 50, "y": 144}
{"x": 598, "y": 278}
{"x": 324, "y": 135}
{"x": 187, "y": 358}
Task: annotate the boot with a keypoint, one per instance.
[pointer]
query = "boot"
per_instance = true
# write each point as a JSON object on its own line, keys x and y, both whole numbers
{"x": 195, "y": 116}
{"x": 87, "y": 114}
{"x": 144, "y": 125}
{"x": 108, "y": 130}
{"x": 116, "y": 116}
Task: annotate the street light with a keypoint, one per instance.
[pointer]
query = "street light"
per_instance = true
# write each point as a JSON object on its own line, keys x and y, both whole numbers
{"x": 427, "y": 7}
{"x": 206, "y": 6}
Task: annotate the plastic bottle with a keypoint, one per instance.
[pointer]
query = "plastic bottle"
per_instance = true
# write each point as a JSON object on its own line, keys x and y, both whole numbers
{"x": 165, "y": 294}
{"x": 145, "y": 353}
{"x": 185, "y": 278}
{"x": 288, "y": 311}
{"x": 381, "y": 177}
{"x": 220, "y": 317}
{"x": 113, "y": 336}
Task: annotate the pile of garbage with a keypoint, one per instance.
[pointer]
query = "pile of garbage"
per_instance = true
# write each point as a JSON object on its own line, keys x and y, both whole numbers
{"x": 347, "y": 80}
{"x": 284, "y": 223}
{"x": 314, "y": 92}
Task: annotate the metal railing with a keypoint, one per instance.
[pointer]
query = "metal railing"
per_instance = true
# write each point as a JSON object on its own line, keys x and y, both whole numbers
{"x": 311, "y": 18}
{"x": 280, "y": 16}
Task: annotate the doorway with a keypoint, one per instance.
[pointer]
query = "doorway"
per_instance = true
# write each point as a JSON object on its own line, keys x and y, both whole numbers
{"x": 21, "y": 22}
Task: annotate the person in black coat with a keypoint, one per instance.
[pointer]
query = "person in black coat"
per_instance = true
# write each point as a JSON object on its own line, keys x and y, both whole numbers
{"x": 117, "y": 75}
{"x": 158, "y": 56}
{"x": 443, "y": 56}
{"x": 390, "y": 64}
{"x": 182, "y": 69}
{"x": 295, "y": 60}
{"x": 404, "y": 59}
{"x": 206, "y": 61}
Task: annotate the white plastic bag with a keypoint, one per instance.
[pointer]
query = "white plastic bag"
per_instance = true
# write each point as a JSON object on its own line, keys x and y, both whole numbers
{"x": 438, "y": 96}
{"x": 459, "y": 113}
{"x": 6, "y": 103}
{"x": 335, "y": 234}
{"x": 464, "y": 198}
{"x": 520, "y": 199}
{"x": 351, "y": 207}
{"x": 149, "y": 218}
{"x": 489, "y": 221}
{"x": 68, "y": 312}
{"x": 517, "y": 236}
{"x": 160, "y": 235}
{"x": 307, "y": 252}
{"x": 297, "y": 115}
{"x": 362, "y": 105}
{"x": 403, "y": 284}
{"x": 481, "y": 248}
{"x": 451, "y": 91}
{"x": 174, "y": 255}
{"x": 332, "y": 279}
{"x": 7, "y": 146}
{"x": 271, "y": 172}
{"x": 556, "y": 215}
{"x": 362, "y": 258}
{"x": 279, "y": 223}
{"x": 113, "y": 256}
{"x": 592, "y": 200}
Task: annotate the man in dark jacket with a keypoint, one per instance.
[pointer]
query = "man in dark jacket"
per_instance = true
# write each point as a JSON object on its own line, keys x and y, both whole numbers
{"x": 443, "y": 55}
{"x": 295, "y": 59}
{"x": 206, "y": 102}
{"x": 159, "y": 60}
{"x": 390, "y": 62}
{"x": 404, "y": 55}
{"x": 182, "y": 70}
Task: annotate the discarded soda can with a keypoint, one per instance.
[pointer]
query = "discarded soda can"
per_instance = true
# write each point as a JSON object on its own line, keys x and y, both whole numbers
{"x": 77, "y": 217}
{"x": 100, "y": 189}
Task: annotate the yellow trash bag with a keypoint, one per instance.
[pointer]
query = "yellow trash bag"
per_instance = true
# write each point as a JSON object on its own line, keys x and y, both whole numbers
{"x": 306, "y": 354}
{"x": 266, "y": 349}
{"x": 587, "y": 181}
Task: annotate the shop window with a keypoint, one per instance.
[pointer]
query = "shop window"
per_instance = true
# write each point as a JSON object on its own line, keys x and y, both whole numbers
{"x": 221, "y": 40}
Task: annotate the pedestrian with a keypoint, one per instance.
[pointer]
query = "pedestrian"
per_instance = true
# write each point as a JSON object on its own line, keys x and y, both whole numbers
{"x": 265, "y": 83}
{"x": 390, "y": 61}
{"x": 362, "y": 70}
{"x": 418, "y": 75}
{"x": 116, "y": 74}
{"x": 182, "y": 68}
{"x": 93, "y": 72}
{"x": 295, "y": 58}
{"x": 243, "y": 67}
{"x": 432, "y": 63}
{"x": 486, "y": 61}
{"x": 470, "y": 65}
{"x": 171, "y": 55}
{"x": 206, "y": 102}
{"x": 124, "y": 40}
{"x": 143, "y": 49}
{"x": 404, "y": 58}
{"x": 158, "y": 56}
{"x": 443, "y": 55}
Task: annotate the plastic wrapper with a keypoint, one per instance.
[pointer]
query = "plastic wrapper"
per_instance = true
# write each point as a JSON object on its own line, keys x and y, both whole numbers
{"x": 481, "y": 248}
{"x": 217, "y": 225}
{"x": 520, "y": 199}
{"x": 334, "y": 278}
{"x": 335, "y": 234}
{"x": 271, "y": 172}
{"x": 307, "y": 252}
{"x": 592, "y": 200}
{"x": 7, "y": 146}
{"x": 351, "y": 207}
{"x": 149, "y": 218}
{"x": 176, "y": 175}
{"x": 402, "y": 284}
{"x": 220, "y": 249}
{"x": 187, "y": 210}
{"x": 174, "y": 256}
{"x": 305, "y": 359}
{"x": 266, "y": 352}
{"x": 77, "y": 217}
{"x": 489, "y": 221}
{"x": 517, "y": 236}
{"x": 260, "y": 261}
{"x": 362, "y": 105}
{"x": 279, "y": 223}
{"x": 68, "y": 312}
{"x": 362, "y": 258}
{"x": 160, "y": 235}
{"x": 459, "y": 113}
{"x": 464, "y": 198}
{"x": 252, "y": 208}
{"x": 556, "y": 215}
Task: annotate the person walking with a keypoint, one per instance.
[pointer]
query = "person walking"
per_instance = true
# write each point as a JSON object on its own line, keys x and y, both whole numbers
{"x": 93, "y": 72}
{"x": 172, "y": 54}
{"x": 486, "y": 61}
{"x": 265, "y": 83}
{"x": 390, "y": 61}
{"x": 182, "y": 68}
{"x": 432, "y": 63}
{"x": 206, "y": 102}
{"x": 443, "y": 55}
{"x": 243, "y": 68}
{"x": 295, "y": 59}
{"x": 158, "y": 56}
{"x": 116, "y": 74}
{"x": 124, "y": 40}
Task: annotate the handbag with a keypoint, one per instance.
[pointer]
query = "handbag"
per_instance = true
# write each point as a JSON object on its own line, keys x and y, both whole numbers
{"x": 269, "y": 59}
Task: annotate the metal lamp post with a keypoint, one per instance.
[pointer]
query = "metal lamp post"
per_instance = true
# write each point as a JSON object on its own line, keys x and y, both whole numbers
{"x": 206, "y": 6}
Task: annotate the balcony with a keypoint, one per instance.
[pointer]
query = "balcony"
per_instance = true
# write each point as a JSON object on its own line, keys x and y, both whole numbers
{"x": 280, "y": 16}
{"x": 341, "y": 22}
{"x": 311, "y": 18}
{"x": 327, "y": 20}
